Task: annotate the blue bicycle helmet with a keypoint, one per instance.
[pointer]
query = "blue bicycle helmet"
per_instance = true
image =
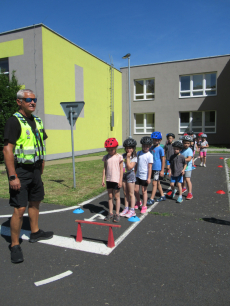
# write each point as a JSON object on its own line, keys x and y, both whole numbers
{"x": 156, "y": 135}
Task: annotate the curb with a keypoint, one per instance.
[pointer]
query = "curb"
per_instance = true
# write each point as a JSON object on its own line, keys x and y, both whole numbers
{"x": 227, "y": 178}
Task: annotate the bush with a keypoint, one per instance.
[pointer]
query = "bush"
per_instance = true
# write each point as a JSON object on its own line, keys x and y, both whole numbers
{"x": 8, "y": 106}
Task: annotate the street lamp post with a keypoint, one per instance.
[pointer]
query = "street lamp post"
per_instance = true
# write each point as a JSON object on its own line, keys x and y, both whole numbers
{"x": 128, "y": 57}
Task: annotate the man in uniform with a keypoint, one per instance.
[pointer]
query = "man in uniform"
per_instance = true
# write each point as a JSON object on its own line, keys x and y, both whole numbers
{"x": 24, "y": 153}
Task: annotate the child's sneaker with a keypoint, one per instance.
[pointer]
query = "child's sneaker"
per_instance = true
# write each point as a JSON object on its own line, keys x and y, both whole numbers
{"x": 130, "y": 213}
{"x": 124, "y": 212}
{"x": 173, "y": 194}
{"x": 143, "y": 209}
{"x": 116, "y": 218}
{"x": 179, "y": 200}
{"x": 161, "y": 199}
{"x": 150, "y": 202}
{"x": 189, "y": 196}
{"x": 201, "y": 164}
{"x": 138, "y": 204}
{"x": 108, "y": 217}
{"x": 204, "y": 165}
{"x": 184, "y": 190}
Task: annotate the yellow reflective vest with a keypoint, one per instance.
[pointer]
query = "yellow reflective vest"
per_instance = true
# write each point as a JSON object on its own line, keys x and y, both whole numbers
{"x": 30, "y": 146}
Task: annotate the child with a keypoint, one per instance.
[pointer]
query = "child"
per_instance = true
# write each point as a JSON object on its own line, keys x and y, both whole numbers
{"x": 168, "y": 148}
{"x": 129, "y": 163}
{"x": 157, "y": 167}
{"x": 203, "y": 150}
{"x": 188, "y": 154}
{"x": 114, "y": 173}
{"x": 143, "y": 173}
{"x": 198, "y": 142}
{"x": 177, "y": 166}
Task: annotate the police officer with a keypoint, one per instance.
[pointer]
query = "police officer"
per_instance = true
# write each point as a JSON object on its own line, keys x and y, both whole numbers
{"x": 24, "y": 153}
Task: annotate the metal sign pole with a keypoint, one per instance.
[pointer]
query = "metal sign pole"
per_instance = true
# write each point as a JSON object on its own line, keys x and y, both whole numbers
{"x": 71, "y": 123}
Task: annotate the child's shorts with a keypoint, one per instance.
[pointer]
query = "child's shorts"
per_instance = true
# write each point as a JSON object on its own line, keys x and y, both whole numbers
{"x": 167, "y": 162}
{"x": 129, "y": 177}
{"x": 203, "y": 154}
{"x": 187, "y": 173}
{"x": 177, "y": 179}
{"x": 141, "y": 182}
{"x": 155, "y": 175}
{"x": 112, "y": 185}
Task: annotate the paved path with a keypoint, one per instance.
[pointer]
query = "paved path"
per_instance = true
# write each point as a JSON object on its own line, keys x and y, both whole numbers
{"x": 174, "y": 260}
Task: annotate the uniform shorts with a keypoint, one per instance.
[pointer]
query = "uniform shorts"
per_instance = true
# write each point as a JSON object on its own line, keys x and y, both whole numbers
{"x": 31, "y": 186}
{"x": 177, "y": 179}
{"x": 141, "y": 182}
{"x": 112, "y": 185}
{"x": 129, "y": 177}
{"x": 155, "y": 175}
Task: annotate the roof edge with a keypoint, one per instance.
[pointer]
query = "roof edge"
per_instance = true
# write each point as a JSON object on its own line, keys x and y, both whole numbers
{"x": 42, "y": 25}
{"x": 184, "y": 60}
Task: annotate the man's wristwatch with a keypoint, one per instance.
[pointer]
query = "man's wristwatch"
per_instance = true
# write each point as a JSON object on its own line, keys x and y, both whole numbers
{"x": 12, "y": 177}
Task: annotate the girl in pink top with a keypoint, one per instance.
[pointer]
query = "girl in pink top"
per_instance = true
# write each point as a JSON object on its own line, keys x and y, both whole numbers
{"x": 113, "y": 171}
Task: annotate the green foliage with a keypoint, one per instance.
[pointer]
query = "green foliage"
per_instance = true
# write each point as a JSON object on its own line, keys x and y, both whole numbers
{"x": 8, "y": 105}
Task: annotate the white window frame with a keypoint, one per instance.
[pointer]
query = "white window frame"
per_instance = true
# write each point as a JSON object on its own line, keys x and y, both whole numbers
{"x": 145, "y": 124}
{"x": 202, "y": 127}
{"x": 144, "y": 93}
{"x": 191, "y": 90}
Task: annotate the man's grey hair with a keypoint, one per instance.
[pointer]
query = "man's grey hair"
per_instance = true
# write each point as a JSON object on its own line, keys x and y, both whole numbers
{"x": 20, "y": 93}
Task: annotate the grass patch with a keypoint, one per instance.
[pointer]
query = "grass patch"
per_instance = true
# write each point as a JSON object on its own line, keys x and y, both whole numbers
{"x": 160, "y": 214}
{"x": 228, "y": 162}
{"x": 58, "y": 183}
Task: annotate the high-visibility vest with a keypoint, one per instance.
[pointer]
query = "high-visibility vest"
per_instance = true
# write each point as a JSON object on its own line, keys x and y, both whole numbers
{"x": 30, "y": 146}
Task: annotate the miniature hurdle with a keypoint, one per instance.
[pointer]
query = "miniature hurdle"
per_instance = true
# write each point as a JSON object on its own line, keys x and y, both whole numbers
{"x": 110, "y": 244}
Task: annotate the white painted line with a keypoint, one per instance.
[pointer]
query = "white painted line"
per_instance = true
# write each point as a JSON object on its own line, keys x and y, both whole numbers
{"x": 97, "y": 216}
{"x": 227, "y": 180}
{"x": 53, "y": 279}
{"x": 61, "y": 209}
{"x": 65, "y": 242}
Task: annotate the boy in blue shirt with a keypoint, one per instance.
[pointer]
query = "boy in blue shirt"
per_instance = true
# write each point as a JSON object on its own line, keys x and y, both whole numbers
{"x": 188, "y": 154}
{"x": 157, "y": 167}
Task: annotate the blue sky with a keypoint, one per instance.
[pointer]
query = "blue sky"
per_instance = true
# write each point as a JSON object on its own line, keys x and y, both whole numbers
{"x": 152, "y": 31}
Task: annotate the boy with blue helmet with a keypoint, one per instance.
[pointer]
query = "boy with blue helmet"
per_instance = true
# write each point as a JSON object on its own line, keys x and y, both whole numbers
{"x": 157, "y": 167}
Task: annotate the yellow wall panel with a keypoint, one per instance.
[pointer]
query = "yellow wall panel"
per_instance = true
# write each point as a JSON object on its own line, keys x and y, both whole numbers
{"x": 11, "y": 48}
{"x": 59, "y": 60}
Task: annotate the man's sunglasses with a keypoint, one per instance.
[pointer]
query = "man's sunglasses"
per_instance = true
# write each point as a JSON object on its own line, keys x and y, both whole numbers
{"x": 28, "y": 100}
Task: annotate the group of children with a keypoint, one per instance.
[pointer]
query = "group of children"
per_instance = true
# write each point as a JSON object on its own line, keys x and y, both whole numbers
{"x": 134, "y": 169}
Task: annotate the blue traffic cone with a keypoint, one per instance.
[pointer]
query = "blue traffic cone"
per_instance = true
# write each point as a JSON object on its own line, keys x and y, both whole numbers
{"x": 78, "y": 211}
{"x": 134, "y": 219}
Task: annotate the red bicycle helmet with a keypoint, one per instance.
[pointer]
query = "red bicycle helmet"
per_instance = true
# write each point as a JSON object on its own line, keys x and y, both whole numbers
{"x": 200, "y": 134}
{"x": 111, "y": 143}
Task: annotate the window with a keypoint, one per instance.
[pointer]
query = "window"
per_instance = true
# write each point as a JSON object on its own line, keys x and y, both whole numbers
{"x": 198, "y": 85}
{"x": 198, "y": 122}
{"x": 4, "y": 66}
{"x": 143, "y": 123}
{"x": 144, "y": 89}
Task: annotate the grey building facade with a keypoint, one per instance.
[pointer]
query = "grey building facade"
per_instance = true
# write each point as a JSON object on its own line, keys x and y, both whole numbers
{"x": 179, "y": 96}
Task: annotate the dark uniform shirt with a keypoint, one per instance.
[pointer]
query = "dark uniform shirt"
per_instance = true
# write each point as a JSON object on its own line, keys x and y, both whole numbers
{"x": 168, "y": 150}
{"x": 177, "y": 162}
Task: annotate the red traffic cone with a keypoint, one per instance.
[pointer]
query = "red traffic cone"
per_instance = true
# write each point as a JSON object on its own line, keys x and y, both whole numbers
{"x": 169, "y": 193}
{"x": 221, "y": 158}
{"x": 220, "y": 192}
{"x": 111, "y": 243}
{"x": 220, "y": 166}
{"x": 194, "y": 166}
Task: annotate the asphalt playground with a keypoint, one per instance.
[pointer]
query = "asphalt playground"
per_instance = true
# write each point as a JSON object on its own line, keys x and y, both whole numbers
{"x": 177, "y": 254}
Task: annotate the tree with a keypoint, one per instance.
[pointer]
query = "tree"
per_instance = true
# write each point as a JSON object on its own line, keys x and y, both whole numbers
{"x": 8, "y": 106}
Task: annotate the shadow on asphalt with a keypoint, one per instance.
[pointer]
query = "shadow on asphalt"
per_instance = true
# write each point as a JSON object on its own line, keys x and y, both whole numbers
{"x": 91, "y": 239}
{"x": 217, "y": 221}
